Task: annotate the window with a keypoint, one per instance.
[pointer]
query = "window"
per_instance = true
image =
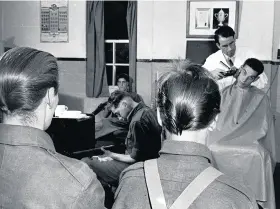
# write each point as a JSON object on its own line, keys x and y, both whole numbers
{"x": 116, "y": 40}
{"x": 117, "y": 59}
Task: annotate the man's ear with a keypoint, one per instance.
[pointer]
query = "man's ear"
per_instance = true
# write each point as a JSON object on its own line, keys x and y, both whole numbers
{"x": 213, "y": 124}
{"x": 158, "y": 117}
{"x": 50, "y": 97}
{"x": 218, "y": 45}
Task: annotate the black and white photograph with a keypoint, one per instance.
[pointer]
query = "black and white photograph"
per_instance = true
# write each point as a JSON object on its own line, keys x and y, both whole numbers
{"x": 156, "y": 104}
{"x": 220, "y": 17}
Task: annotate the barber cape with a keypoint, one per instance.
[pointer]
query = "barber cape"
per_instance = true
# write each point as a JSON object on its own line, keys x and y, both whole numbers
{"x": 241, "y": 54}
{"x": 243, "y": 143}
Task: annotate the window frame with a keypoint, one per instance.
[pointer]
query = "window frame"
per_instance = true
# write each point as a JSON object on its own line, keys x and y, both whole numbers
{"x": 114, "y": 64}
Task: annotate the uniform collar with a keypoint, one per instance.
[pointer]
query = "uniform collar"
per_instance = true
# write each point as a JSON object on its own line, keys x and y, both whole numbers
{"x": 25, "y": 136}
{"x": 185, "y": 148}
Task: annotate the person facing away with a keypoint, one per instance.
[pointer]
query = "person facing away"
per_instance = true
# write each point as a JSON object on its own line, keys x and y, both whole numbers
{"x": 142, "y": 142}
{"x": 229, "y": 57}
{"x": 244, "y": 136}
{"x": 111, "y": 123}
{"x": 32, "y": 173}
{"x": 188, "y": 102}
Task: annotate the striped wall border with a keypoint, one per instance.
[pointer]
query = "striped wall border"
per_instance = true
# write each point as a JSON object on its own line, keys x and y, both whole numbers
{"x": 155, "y": 60}
{"x": 168, "y": 60}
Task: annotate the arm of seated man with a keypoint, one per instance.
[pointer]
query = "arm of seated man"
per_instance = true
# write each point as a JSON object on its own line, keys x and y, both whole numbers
{"x": 137, "y": 140}
{"x": 107, "y": 112}
{"x": 137, "y": 136}
{"x": 116, "y": 156}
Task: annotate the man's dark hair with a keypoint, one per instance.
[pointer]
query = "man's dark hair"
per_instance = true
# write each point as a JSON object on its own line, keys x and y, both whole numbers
{"x": 124, "y": 76}
{"x": 25, "y": 76}
{"x": 255, "y": 64}
{"x": 188, "y": 98}
{"x": 117, "y": 96}
{"x": 223, "y": 31}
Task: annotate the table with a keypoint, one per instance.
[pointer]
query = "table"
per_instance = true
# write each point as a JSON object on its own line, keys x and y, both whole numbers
{"x": 72, "y": 135}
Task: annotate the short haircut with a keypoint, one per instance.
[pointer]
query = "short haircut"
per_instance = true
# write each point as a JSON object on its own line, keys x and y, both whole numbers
{"x": 117, "y": 96}
{"x": 255, "y": 64}
{"x": 124, "y": 76}
{"x": 188, "y": 98}
{"x": 223, "y": 31}
{"x": 25, "y": 76}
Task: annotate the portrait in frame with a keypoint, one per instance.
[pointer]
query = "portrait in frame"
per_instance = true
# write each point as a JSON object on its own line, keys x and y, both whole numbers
{"x": 204, "y": 17}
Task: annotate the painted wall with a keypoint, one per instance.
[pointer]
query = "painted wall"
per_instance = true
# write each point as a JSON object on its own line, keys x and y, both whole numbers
{"x": 1, "y": 20}
{"x": 256, "y": 27}
{"x": 21, "y": 20}
{"x": 162, "y": 28}
{"x": 276, "y": 30}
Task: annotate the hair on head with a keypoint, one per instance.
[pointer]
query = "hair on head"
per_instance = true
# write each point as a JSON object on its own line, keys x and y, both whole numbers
{"x": 117, "y": 96}
{"x": 255, "y": 64}
{"x": 124, "y": 76}
{"x": 25, "y": 76}
{"x": 188, "y": 98}
{"x": 223, "y": 31}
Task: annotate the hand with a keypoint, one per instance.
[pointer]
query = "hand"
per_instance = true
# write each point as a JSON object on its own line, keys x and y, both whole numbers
{"x": 218, "y": 73}
{"x": 107, "y": 153}
{"x": 236, "y": 70}
{"x": 102, "y": 159}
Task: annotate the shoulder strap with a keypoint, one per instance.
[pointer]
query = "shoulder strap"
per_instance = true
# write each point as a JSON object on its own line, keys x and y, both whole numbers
{"x": 196, "y": 187}
{"x": 188, "y": 196}
{"x": 153, "y": 184}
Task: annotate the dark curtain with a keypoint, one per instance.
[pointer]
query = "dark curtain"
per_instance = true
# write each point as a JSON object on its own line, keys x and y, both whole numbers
{"x": 131, "y": 19}
{"x": 96, "y": 79}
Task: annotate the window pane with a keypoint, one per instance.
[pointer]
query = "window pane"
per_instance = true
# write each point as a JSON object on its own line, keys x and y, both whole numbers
{"x": 120, "y": 70}
{"x": 109, "y": 52}
{"x": 115, "y": 19}
{"x": 122, "y": 55}
{"x": 109, "y": 71}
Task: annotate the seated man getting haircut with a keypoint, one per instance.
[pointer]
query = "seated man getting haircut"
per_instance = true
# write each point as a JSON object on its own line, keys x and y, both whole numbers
{"x": 243, "y": 142}
{"x": 114, "y": 129}
{"x": 188, "y": 101}
{"x": 142, "y": 142}
{"x": 223, "y": 63}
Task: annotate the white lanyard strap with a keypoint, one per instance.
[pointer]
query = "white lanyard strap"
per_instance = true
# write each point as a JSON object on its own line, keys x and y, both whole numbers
{"x": 196, "y": 187}
{"x": 187, "y": 197}
{"x": 154, "y": 186}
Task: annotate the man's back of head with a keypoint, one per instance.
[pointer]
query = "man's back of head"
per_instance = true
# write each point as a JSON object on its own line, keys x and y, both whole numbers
{"x": 188, "y": 98}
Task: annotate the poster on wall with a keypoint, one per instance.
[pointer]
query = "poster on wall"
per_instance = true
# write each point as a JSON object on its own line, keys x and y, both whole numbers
{"x": 54, "y": 21}
{"x": 204, "y": 17}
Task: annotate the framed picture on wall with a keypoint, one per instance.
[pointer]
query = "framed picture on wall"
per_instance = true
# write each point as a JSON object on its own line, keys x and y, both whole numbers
{"x": 204, "y": 17}
{"x": 54, "y": 21}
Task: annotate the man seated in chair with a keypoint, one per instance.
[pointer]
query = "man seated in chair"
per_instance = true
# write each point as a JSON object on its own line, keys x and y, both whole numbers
{"x": 113, "y": 129}
{"x": 243, "y": 142}
{"x": 142, "y": 142}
